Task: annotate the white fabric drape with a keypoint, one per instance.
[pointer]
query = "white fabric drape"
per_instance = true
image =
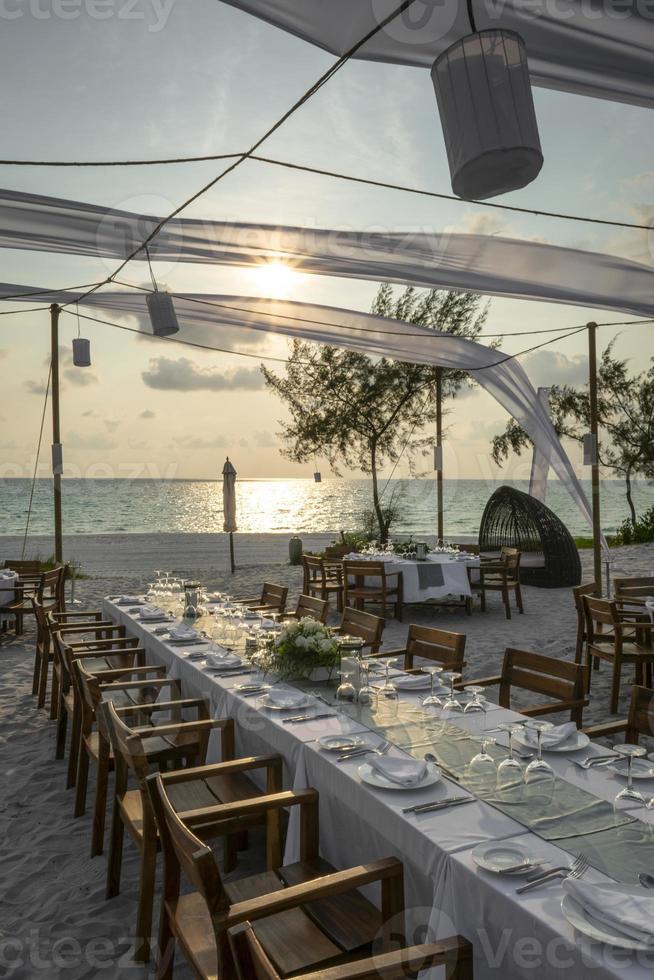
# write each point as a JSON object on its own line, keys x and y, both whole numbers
{"x": 603, "y": 50}
{"x": 229, "y": 497}
{"x": 505, "y": 379}
{"x": 477, "y": 263}
{"x": 540, "y": 463}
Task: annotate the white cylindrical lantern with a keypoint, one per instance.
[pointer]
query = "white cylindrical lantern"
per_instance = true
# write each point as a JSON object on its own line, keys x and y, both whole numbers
{"x": 81, "y": 352}
{"x": 487, "y": 112}
{"x": 162, "y": 314}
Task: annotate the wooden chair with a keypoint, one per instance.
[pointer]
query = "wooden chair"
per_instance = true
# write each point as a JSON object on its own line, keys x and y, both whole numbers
{"x": 174, "y": 742}
{"x": 455, "y": 954}
{"x": 385, "y": 586}
{"x": 578, "y": 593}
{"x": 308, "y": 606}
{"x": 364, "y": 625}
{"x": 503, "y": 576}
{"x": 47, "y": 589}
{"x": 640, "y": 720}
{"x": 439, "y": 646}
{"x": 323, "y": 578}
{"x": 610, "y": 629}
{"x": 272, "y": 599}
{"x": 126, "y": 686}
{"x": 634, "y": 590}
{"x": 559, "y": 680}
{"x": 78, "y": 621}
{"x": 340, "y": 925}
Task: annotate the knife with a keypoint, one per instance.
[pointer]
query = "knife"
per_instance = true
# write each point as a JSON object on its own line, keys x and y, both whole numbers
{"x": 289, "y": 721}
{"x": 441, "y": 804}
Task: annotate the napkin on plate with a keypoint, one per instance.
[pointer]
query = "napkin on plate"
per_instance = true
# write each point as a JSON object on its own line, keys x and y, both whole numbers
{"x": 405, "y": 772}
{"x": 224, "y": 662}
{"x": 555, "y": 736}
{"x": 628, "y": 913}
{"x": 413, "y": 680}
{"x": 127, "y": 600}
{"x": 286, "y": 699}
{"x": 151, "y": 612}
{"x": 182, "y": 633}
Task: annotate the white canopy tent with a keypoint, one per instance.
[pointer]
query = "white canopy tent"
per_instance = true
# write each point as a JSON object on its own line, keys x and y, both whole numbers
{"x": 498, "y": 373}
{"x": 602, "y": 50}
{"x": 484, "y": 264}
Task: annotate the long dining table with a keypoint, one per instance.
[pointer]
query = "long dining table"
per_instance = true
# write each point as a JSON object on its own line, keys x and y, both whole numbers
{"x": 514, "y": 936}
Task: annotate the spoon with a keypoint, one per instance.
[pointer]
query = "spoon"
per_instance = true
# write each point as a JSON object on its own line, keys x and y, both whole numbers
{"x": 647, "y": 881}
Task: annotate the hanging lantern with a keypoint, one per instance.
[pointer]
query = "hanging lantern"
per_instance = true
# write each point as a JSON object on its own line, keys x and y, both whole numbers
{"x": 487, "y": 112}
{"x": 81, "y": 352}
{"x": 317, "y": 477}
{"x": 162, "y": 314}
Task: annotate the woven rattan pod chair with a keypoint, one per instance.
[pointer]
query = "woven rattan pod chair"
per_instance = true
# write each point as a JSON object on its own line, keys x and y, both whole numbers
{"x": 513, "y": 519}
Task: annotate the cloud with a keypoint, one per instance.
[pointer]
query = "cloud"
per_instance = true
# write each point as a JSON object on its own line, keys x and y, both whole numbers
{"x": 110, "y": 424}
{"x": 264, "y": 440}
{"x": 148, "y": 414}
{"x": 79, "y": 377}
{"x": 546, "y": 367}
{"x": 90, "y": 413}
{"x": 197, "y": 442}
{"x": 94, "y": 440}
{"x": 183, "y": 374}
{"x": 481, "y": 224}
{"x": 35, "y": 387}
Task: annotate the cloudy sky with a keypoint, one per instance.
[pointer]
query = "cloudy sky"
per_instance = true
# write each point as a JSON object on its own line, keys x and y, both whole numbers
{"x": 166, "y": 78}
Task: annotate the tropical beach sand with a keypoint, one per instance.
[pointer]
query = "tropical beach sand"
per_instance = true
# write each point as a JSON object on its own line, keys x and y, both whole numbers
{"x": 55, "y": 922}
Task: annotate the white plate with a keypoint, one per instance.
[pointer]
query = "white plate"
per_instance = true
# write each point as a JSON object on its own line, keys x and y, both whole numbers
{"x": 373, "y": 778}
{"x": 338, "y": 743}
{"x": 582, "y": 920}
{"x": 227, "y": 662}
{"x": 404, "y": 684}
{"x": 640, "y": 768}
{"x": 497, "y": 855}
{"x": 578, "y": 740}
{"x": 251, "y": 688}
{"x": 294, "y": 700}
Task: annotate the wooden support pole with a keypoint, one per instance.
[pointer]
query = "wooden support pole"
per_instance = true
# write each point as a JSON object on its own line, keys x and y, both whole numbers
{"x": 231, "y": 552}
{"x": 56, "y": 431}
{"x": 439, "y": 444}
{"x": 595, "y": 474}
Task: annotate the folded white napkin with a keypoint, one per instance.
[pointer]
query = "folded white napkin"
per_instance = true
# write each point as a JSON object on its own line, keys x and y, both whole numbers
{"x": 413, "y": 680}
{"x": 555, "y": 736}
{"x": 405, "y": 772}
{"x": 225, "y": 661}
{"x": 286, "y": 699}
{"x": 182, "y": 633}
{"x": 627, "y": 913}
{"x": 127, "y": 600}
{"x": 267, "y": 624}
{"x": 151, "y": 612}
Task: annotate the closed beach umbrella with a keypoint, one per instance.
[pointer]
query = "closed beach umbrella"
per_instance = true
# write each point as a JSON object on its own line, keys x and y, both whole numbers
{"x": 229, "y": 506}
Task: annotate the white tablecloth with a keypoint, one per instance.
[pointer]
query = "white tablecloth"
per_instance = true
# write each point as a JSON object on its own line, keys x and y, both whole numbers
{"x": 8, "y": 580}
{"x": 513, "y": 936}
{"x": 435, "y": 578}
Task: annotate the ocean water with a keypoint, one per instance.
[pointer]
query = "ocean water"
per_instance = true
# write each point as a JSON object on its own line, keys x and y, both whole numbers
{"x": 284, "y": 506}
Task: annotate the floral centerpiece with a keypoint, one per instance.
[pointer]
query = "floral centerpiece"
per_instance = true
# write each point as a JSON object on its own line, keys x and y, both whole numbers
{"x": 302, "y": 647}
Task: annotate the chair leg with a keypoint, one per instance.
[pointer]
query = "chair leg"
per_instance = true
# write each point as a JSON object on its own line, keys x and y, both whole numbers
{"x": 518, "y": 598}
{"x": 82, "y": 782}
{"x": 38, "y": 657}
{"x": 62, "y": 724}
{"x": 615, "y": 685}
{"x": 146, "y": 900}
{"x": 54, "y": 695}
{"x": 115, "y": 853}
{"x": 166, "y": 957}
{"x": 482, "y": 597}
{"x": 507, "y": 605}
{"x": 43, "y": 679}
{"x": 75, "y": 735}
{"x": 100, "y": 810}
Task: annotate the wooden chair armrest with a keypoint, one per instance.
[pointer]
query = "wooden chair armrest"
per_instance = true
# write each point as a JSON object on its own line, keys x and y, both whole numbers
{"x": 94, "y": 654}
{"x": 239, "y": 809}
{"x": 401, "y": 962}
{"x": 88, "y": 627}
{"x": 63, "y": 616}
{"x": 127, "y": 685}
{"x": 175, "y": 728}
{"x": 478, "y": 682}
{"x": 533, "y": 711}
{"x": 609, "y": 728}
{"x": 389, "y": 653}
{"x": 118, "y": 642}
{"x": 227, "y": 768}
{"x": 159, "y": 705}
{"x": 105, "y": 676}
{"x": 313, "y": 891}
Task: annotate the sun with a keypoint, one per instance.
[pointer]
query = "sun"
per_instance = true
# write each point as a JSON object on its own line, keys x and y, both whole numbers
{"x": 275, "y": 278}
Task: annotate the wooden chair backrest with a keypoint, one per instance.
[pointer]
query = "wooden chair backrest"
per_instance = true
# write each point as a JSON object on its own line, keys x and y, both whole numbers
{"x": 626, "y": 588}
{"x": 312, "y": 571}
{"x": 274, "y": 595}
{"x": 469, "y": 549}
{"x": 253, "y": 963}
{"x": 641, "y": 714}
{"x": 599, "y": 613}
{"x": 23, "y": 566}
{"x": 127, "y": 746}
{"x": 314, "y": 608}
{"x": 441, "y": 646}
{"x": 364, "y": 625}
{"x": 578, "y": 593}
{"x": 511, "y": 558}
{"x": 360, "y": 568}
{"x": 50, "y": 586}
{"x": 558, "y": 680}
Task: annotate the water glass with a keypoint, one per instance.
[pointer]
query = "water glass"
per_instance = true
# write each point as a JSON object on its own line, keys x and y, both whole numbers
{"x": 367, "y": 693}
{"x": 539, "y": 769}
{"x": 451, "y": 704}
{"x": 432, "y": 701}
{"x": 483, "y": 765}
{"x": 509, "y": 770}
{"x": 477, "y": 706}
{"x": 388, "y": 688}
{"x": 629, "y": 796}
{"x": 346, "y": 692}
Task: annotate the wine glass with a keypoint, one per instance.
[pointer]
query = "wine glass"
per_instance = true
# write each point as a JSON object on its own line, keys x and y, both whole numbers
{"x": 346, "y": 692}
{"x": 367, "y": 693}
{"x": 629, "y": 795}
{"x": 538, "y": 768}
{"x": 509, "y": 770}
{"x": 432, "y": 701}
{"x": 477, "y": 706}
{"x": 388, "y": 688}
{"x": 483, "y": 764}
{"x": 451, "y": 704}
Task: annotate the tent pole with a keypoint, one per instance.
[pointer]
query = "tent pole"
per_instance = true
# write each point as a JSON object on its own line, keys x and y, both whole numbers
{"x": 439, "y": 444}
{"x": 57, "y": 463}
{"x": 231, "y": 552}
{"x": 595, "y": 475}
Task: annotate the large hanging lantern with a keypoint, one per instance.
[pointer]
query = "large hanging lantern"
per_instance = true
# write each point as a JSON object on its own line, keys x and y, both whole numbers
{"x": 81, "y": 352}
{"x": 162, "y": 313}
{"x": 487, "y": 112}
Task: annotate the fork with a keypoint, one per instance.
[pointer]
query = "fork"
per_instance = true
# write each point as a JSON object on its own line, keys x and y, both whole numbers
{"x": 381, "y": 749}
{"x": 594, "y": 760}
{"x": 576, "y": 870}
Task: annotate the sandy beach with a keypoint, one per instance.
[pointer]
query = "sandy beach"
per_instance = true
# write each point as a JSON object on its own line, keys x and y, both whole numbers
{"x": 55, "y": 922}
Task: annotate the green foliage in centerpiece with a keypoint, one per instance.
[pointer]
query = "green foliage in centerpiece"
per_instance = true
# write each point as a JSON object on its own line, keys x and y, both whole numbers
{"x": 302, "y": 647}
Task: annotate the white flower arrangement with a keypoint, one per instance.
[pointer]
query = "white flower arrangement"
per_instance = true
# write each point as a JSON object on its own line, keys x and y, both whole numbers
{"x": 303, "y": 646}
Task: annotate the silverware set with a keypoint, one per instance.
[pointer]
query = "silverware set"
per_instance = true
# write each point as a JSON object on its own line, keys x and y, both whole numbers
{"x": 298, "y": 718}
{"x": 575, "y": 870}
{"x": 443, "y": 804}
{"x": 381, "y": 749}
{"x": 595, "y": 760}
